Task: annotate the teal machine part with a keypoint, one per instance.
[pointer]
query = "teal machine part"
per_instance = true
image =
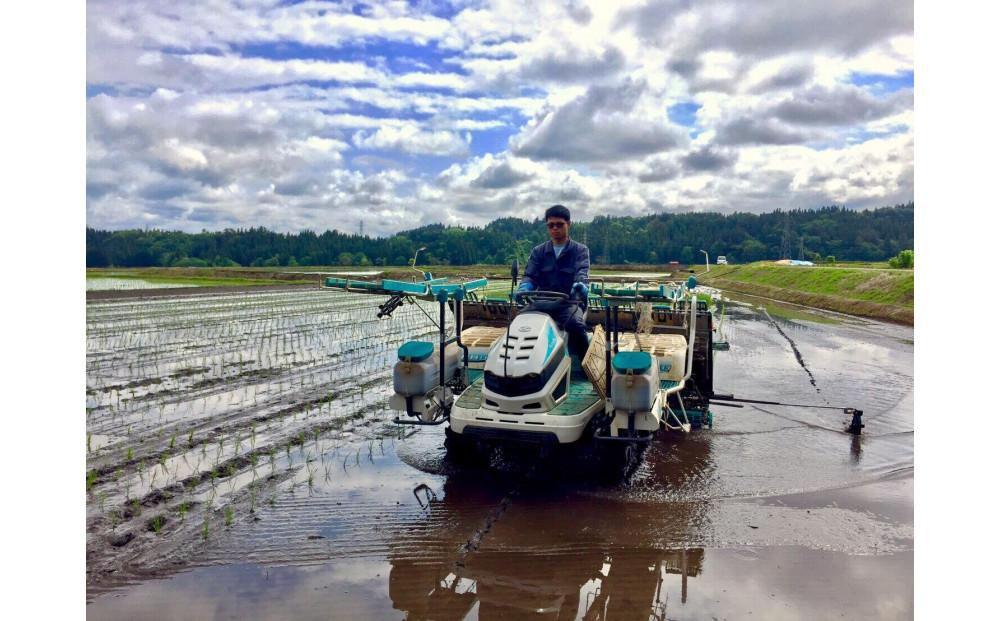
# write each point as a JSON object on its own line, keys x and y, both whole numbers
{"x": 429, "y": 289}
{"x": 700, "y": 418}
{"x": 415, "y": 351}
{"x": 632, "y": 362}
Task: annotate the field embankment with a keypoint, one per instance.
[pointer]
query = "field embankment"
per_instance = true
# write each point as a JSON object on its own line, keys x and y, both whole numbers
{"x": 206, "y": 276}
{"x": 876, "y": 293}
{"x": 867, "y": 290}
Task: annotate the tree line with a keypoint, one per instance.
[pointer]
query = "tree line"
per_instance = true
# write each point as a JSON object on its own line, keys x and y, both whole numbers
{"x": 819, "y": 235}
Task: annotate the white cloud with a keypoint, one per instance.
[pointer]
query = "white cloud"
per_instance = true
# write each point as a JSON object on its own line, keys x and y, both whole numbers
{"x": 310, "y": 115}
{"x": 410, "y": 139}
{"x": 434, "y": 80}
{"x": 277, "y": 72}
{"x": 324, "y": 145}
{"x": 475, "y": 125}
{"x": 605, "y": 124}
{"x": 184, "y": 157}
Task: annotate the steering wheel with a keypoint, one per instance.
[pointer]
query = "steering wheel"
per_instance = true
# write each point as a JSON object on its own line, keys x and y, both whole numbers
{"x": 544, "y": 295}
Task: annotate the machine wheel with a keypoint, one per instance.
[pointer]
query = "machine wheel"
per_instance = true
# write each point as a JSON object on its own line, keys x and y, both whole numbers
{"x": 465, "y": 451}
{"x": 620, "y": 461}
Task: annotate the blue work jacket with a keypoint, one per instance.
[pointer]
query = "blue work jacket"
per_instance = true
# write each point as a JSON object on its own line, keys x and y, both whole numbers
{"x": 549, "y": 273}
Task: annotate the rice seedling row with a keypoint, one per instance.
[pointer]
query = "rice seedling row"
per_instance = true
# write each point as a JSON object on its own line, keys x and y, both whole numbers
{"x": 199, "y": 407}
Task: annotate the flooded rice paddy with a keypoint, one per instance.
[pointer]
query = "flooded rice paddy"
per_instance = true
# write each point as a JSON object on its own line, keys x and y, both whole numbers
{"x": 127, "y": 284}
{"x": 242, "y": 463}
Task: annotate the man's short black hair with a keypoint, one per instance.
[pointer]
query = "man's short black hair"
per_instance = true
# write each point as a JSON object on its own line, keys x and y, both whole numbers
{"x": 557, "y": 211}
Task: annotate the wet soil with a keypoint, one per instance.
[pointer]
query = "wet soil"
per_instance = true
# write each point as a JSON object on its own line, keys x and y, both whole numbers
{"x": 314, "y": 506}
{"x": 175, "y": 292}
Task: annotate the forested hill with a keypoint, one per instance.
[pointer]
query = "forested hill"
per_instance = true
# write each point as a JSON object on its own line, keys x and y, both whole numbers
{"x": 848, "y": 235}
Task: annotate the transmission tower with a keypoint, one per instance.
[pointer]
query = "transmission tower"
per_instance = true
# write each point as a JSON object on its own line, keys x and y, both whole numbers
{"x": 786, "y": 240}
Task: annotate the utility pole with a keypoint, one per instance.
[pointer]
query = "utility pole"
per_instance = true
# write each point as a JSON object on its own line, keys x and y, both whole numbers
{"x": 786, "y": 241}
{"x": 361, "y": 227}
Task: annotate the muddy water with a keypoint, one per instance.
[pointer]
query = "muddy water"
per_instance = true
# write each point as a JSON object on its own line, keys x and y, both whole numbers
{"x": 775, "y": 513}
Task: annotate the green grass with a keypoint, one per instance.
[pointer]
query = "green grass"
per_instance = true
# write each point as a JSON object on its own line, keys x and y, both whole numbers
{"x": 885, "y": 294}
{"x": 862, "y": 288}
{"x": 156, "y": 524}
{"x": 790, "y": 312}
{"x": 893, "y": 287}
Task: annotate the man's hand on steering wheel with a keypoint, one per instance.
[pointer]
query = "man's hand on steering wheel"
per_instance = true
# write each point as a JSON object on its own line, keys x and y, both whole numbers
{"x": 526, "y": 286}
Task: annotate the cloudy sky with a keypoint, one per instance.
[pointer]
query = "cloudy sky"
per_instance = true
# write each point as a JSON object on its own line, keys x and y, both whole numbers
{"x": 321, "y": 115}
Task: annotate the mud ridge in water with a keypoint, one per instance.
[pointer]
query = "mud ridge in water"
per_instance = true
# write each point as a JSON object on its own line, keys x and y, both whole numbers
{"x": 795, "y": 349}
{"x": 476, "y": 539}
{"x": 163, "y": 530}
{"x": 240, "y": 422}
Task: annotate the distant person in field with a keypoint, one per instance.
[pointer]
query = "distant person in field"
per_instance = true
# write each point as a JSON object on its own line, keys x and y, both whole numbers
{"x": 562, "y": 265}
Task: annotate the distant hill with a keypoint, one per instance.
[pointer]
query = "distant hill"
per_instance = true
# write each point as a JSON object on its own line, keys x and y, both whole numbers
{"x": 846, "y": 234}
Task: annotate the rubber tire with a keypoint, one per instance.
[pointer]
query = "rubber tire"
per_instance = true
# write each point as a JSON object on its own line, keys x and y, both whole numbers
{"x": 464, "y": 451}
{"x": 619, "y": 461}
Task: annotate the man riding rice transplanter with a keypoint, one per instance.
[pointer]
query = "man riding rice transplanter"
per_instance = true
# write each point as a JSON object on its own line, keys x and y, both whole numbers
{"x": 562, "y": 265}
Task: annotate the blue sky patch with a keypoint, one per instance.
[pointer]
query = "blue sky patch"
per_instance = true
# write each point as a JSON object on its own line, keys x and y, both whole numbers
{"x": 372, "y": 111}
{"x": 863, "y": 135}
{"x": 114, "y": 90}
{"x": 882, "y": 83}
{"x": 684, "y": 113}
{"x": 93, "y": 90}
{"x": 493, "y": 141}
{"x": 394, "y": 56}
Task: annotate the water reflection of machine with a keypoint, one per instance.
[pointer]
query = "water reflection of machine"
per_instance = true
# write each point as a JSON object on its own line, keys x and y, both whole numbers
{"x": 523, "y": 571}
{"x": 513, "y": 585}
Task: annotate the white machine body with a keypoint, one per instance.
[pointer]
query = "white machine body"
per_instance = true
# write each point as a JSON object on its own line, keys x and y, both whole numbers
{"x": 417, "y": 386}
{"x": 411, "y": 379}
{"x": 635, "y": 392}
{"x": 524, "y": 370}
{"x": 637, "y": 395}
{"x": 670, "y": 352}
